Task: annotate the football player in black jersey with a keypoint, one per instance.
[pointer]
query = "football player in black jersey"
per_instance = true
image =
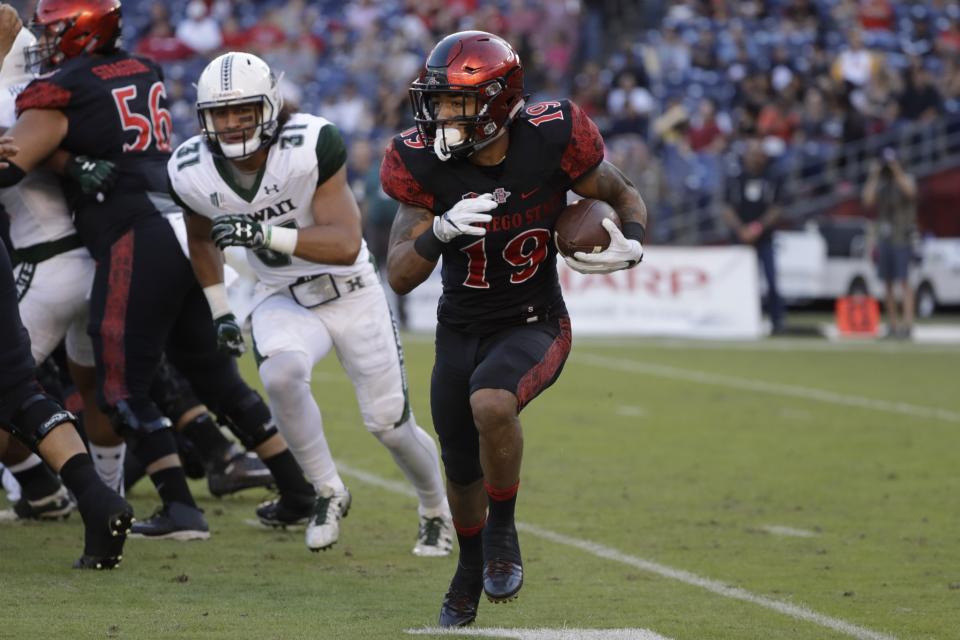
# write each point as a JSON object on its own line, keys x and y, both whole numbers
{"x": 42, "y": 424}
{"x": 481, "y": 181}
{"x": 96, "y": 99}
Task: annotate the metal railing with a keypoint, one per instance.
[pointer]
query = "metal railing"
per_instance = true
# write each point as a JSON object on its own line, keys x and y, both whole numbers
{"x": 814, "y": 184}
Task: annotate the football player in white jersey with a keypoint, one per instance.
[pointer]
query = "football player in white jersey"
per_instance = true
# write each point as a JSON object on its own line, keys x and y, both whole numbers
{"x": 54, "y": 272}
{"x": 276, "y": 185}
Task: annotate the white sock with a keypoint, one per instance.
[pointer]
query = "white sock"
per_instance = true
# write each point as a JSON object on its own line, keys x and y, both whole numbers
{"x": 416, "y": 454}
{"x": 286, "y": 378}
{"x": 10, "y": 484}
{"x": 108, "y": 462}
{"x": 28, "y": 463}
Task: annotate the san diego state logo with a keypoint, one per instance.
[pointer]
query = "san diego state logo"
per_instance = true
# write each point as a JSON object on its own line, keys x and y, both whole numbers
{"x": 500, "y": 195}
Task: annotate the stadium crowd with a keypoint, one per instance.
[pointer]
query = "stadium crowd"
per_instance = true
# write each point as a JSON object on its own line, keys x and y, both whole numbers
{"x": 675, "y": 85}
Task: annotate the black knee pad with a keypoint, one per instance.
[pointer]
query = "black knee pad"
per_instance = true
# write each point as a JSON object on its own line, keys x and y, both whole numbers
{"x": 135, "y": 423}
{"x": 461, "y": 467}
{"x": 37, "y": 416}
{"x": 247, "y": 416}
{"x": 172, "y": 393}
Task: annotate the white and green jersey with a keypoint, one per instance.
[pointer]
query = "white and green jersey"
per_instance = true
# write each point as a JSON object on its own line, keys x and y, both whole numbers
{"x": 307, "y": 152}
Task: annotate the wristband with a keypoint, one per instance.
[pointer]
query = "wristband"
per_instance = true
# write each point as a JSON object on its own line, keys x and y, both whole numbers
{"x": 634, "y": 231}
{"x": 217, "y": 299}
{"x": 428, "y": 245}
{"x": 281, "y": 239}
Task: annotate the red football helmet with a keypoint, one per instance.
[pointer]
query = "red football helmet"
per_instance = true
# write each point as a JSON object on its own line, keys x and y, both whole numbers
{"x": 481, "y": 66}
{"x": 68, "y": 28}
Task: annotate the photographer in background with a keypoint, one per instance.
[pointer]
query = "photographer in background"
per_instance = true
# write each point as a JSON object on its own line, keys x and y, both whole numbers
{"x": 894, "y": 192}
{"x": 752, "y": 209}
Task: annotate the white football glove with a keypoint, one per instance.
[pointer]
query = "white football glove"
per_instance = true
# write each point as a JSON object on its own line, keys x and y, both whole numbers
{"x": 462, "y": 217}
{"x": 621, "y": 254}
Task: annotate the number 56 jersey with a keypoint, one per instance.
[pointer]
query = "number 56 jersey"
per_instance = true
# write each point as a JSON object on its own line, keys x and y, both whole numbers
{"x": 116, "y": 109}
{"x": 307, "y": 152}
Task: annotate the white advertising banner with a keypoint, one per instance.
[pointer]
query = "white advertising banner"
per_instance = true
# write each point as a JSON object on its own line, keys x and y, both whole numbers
{"x": 702, "y": 292}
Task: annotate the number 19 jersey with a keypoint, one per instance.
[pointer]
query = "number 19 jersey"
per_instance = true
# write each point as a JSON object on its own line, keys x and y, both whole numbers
{"x": 307, "y": 152}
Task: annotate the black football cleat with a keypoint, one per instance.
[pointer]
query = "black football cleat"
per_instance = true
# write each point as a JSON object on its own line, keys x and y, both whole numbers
{"x": 107, "y": 520}
{"x": 286, "y": 511}
{"x": 173, "y": 521}
{"x": 502, "y": 579}
{"x": 236, "y": 470}
{"x": 459, "y": 607}
{"x": 502, "y": 566}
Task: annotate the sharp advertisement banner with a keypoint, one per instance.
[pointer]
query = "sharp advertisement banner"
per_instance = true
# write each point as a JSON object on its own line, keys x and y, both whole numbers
{"x": 702, "y": 292}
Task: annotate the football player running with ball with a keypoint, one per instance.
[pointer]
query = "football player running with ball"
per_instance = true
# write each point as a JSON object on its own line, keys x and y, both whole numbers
{"x": 275, "y": 184}
{"x": 481, "y": 181}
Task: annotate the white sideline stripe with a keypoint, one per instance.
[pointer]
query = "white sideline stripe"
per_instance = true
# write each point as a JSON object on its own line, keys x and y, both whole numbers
{"x": 779, "y": 530}
{"x": 609, "y": 553}
{"x": 542, "y": 634}
{"x": 795, "y": 391}
{"x": 714, "y": 586}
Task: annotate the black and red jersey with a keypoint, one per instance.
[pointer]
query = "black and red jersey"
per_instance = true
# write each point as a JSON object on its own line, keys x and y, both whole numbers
{"x": 508, "y": 276}
{"x": 116, "y": 108}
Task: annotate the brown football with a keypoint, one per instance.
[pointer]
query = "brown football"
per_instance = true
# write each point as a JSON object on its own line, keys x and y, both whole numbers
{"x": 578, "y": 227}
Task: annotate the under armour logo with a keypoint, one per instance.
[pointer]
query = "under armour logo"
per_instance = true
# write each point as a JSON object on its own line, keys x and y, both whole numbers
{"x": 355, "y": 283}
{"x": 500, "y": 195}
{"x": 88, "y": 166}
{"x": 272, "y": 189}
{"x": 245, "y": 230}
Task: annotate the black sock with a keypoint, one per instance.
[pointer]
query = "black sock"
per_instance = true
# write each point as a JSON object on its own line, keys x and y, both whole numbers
{"x": 206, "y": 436}
{"x": 79, "y": 475}
{"x": 37, "y": 482}
{"x": 287, "y": 474}
{"x": 470, "y": 560}
{"x": 502, "y": 504}
{"x": 171, "y": 484}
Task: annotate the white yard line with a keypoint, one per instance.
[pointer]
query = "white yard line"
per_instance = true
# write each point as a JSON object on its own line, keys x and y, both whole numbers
{"x": 747, "y": 384}
{"x": 542, "y": 634}
{"x": 631, "y": 411}
{"x": 780, "y": 530}
{"x": 608, "y": 553}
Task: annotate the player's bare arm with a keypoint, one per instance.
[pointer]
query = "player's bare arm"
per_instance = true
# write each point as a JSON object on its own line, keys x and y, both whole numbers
{"x": 606, "y": 182}
{"x": 10, "y": 26}
{"x": 336, "y": 236}
{"x": 205, "y": 257}
{"x": 405, "y": 267}
{"x": 36, "y": 134}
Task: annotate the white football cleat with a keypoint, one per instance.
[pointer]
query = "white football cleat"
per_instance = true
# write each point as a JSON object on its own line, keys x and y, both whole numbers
{"x": 323, "y": 530}
{"x": 435, "y": 539}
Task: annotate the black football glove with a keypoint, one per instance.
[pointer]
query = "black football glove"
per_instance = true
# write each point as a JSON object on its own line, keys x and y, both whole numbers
{"x": 229, "y": 337}
{"x": 94, "y": 177}
{"x": 238, "y": 231}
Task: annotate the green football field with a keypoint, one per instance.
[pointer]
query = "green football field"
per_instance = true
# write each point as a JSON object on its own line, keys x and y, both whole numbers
{"x": 790, "y": 488}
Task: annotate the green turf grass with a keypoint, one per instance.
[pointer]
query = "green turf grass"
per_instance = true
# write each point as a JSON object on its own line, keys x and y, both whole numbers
{"x": 680, "y": 473}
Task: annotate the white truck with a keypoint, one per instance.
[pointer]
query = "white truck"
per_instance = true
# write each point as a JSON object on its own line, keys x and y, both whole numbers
{"x": 825, "y": 262}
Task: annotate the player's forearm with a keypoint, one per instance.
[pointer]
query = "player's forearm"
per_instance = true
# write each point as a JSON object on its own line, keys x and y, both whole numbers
{"x": 328, "y": 244}
{"x": 406, "y": 268}
{"x": 207, "y": 261}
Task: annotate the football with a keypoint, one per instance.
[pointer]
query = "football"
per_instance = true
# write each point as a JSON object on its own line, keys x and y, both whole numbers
{"x": 578, "y": 227}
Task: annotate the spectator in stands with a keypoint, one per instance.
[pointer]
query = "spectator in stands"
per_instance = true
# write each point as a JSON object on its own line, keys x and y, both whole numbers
{"x": 855, "y": 64}
{"x": 235, "y": 37}
{"x": 162, "y": 45}
{"x": 894, "y": 193}
{"x": 708, "y": 131}
{"x": 752, "y": 209}
{"x": 199, "y": 31}
{"x": 920, "y": 100}
{"x": 629, "y": 106}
